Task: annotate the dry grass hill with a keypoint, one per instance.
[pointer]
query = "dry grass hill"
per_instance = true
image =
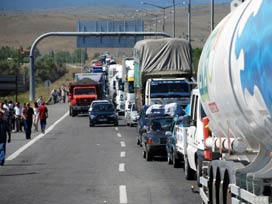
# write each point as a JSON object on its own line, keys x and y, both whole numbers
{"x": 22, "y": 28}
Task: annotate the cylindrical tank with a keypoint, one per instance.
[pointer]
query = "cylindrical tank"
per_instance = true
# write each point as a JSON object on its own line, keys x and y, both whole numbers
{"x": 235, "y": 74}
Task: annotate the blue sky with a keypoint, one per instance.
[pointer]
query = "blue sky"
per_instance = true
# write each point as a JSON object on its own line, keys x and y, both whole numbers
{"x": 47, "y": 4}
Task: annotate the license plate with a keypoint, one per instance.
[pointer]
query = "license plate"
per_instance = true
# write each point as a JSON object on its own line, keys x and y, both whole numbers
{"x": 103, "y": 119}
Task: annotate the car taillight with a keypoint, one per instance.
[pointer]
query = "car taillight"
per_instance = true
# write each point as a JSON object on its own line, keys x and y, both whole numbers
{"x": 149, "y": 141}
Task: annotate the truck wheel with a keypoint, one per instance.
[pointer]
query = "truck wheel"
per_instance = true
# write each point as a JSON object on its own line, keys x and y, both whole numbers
{"x": 116, "y": 124}
{"x": 70, "y": 111}
{"x": 73, "y": 113}
{"x": 189, "y": 173}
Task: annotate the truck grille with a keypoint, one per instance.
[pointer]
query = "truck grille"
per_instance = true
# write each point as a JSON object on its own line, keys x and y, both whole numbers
{"x": 84, "y": 101}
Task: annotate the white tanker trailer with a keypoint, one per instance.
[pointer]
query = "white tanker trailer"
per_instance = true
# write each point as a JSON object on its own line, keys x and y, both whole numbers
{"x": 235, "y": 87}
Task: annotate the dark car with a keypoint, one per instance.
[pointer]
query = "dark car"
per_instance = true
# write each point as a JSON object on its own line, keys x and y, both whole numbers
{"x": 103, "y": 113}
{"x": 154, "y": 110}
{"x": 155, "y": 139}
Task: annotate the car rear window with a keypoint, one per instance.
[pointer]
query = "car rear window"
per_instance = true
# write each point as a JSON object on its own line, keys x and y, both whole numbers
{"x": 103, "y": 107}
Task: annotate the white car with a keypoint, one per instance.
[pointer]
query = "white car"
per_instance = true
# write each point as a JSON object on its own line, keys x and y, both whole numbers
{"x": 131, "y": 115}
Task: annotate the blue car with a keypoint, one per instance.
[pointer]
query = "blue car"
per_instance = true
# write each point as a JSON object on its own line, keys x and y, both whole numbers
{"x": 173, "y": 156}
{"x": 103, "y": 113}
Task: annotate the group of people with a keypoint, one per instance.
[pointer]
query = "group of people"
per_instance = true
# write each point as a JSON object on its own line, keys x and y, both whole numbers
{"x": 59, "y": 95}
{"x": 15, "y": 117}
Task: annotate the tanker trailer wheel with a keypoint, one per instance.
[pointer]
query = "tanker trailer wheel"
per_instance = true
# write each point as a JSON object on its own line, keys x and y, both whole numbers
{"x": 198, "y": 171}
{"x": 217, "y": 188}
{"x": 189, "y": 173}
{"x": 226, "y": 198}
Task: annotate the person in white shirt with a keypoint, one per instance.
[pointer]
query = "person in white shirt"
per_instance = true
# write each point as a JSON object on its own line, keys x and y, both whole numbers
{"x": 18, "y": 113}
{"x": 40, "y": 101}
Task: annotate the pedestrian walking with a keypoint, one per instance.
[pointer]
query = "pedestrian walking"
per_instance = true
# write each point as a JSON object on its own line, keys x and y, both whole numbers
{"x": 18, "y": 120}
{"x": 24, "y": 117}
{"x": 36, "y": 116}
{"x": 3, "y": 137}
{"x": 63, "y": 94}
{"x": 43, "y": 115}
{"x": 12, "y": 114}
{"x": 40, "y": 101}
{"x": 8, "y": 117}
{"x": 54, "y": 95}
{"x": 29, "y": 121}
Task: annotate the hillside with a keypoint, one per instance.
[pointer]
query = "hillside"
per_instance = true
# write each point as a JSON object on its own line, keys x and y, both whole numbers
{"x": 22, "y": 28}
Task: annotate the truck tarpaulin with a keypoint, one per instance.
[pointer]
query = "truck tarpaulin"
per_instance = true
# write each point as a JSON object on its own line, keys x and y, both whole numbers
{"x": 161, "y": 57}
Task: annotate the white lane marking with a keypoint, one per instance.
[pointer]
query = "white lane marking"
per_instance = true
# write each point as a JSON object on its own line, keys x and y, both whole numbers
{"x": 123, "y": 144}
{"x": 121, "y": 167}
{"x": 123, "y": 194}
{"x": 116, "y": 128}
{"x": 35, "y": 139}
{"x": 123, "y": 154}
{"x": 119, "y": 134}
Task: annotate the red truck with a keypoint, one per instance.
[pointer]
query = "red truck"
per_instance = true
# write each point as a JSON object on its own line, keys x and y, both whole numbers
{"x": 81, "y": 94}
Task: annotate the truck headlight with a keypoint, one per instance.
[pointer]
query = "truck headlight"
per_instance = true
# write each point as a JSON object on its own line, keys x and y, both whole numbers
{"x": 92, "y": 117}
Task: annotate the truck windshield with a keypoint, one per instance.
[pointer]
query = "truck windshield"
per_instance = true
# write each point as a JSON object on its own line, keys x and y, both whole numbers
{"x": 169, "y": 88}
{"x": 84, "y": 91}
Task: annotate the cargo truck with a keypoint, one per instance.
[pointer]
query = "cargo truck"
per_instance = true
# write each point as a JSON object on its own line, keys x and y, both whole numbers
{"x": 86, "y": 88}
{"x": 162, "y": 70}
{"x": 234, "y": 83}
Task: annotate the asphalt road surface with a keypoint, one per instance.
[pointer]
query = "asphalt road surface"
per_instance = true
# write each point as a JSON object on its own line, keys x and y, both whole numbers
{"x": 75, "y": 164}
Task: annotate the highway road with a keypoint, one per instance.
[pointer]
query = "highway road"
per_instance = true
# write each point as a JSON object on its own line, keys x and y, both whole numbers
{"x": 73, "y": 163}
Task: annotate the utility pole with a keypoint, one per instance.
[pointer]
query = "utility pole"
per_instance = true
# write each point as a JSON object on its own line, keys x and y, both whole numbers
{"x": 161, "y": 7}
{"x": 174, "y": 18}
{"x": 212, "y": 15}
{"x": 189, "y": 21}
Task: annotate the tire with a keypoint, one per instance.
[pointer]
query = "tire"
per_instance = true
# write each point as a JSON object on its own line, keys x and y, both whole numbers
{"x": 176, "y": 162}
{"x": 169, "y": 160}
{"x": 198, "y": 172}
{"x": 148, "y": 156}
{"x": 138, "y": 142}
{"x": 188, "y": 172}
{"x": 73, "y": 113}
{"x": 116, "y": 123}
{"x": 144, "y": 154}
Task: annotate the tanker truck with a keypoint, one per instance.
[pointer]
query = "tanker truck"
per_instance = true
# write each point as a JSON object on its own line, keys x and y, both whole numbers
{"x": 162, "y": 70}
{"x": 235, "y": 90}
